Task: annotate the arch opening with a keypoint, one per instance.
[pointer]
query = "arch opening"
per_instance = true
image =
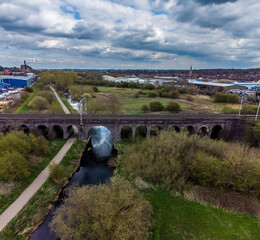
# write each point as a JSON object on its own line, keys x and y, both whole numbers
{"x": 216, "y": 132}
{"x": 126, "y": 132}
{"x": 175, "y": 129}
{"x": 190, "y": 130}
{"x": 203, "y": 131}
{"x": 141, "y": 132}
{"x": 56, "y": 132}
{"x": 155, "y": 130}
{"x": 24, "y": 128}
{"x": 41, "y": 130}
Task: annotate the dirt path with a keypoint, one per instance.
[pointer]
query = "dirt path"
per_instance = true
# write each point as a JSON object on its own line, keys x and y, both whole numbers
{"x": 65, "y": 109}
{"x": 25, "y": 196}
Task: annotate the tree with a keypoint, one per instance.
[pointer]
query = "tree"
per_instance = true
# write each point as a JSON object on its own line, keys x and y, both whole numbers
{"x": 38, "y": 103}
{"x": 13, "y": 166}
{"x": 173, "y": 107}
{"x": 48, "y": 95}
{"x": 156, "y": 106}
{"x": 145, "y": 108}
{"x": 110, "y": 211}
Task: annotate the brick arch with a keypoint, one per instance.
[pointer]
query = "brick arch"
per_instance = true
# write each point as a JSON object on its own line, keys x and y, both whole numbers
{"x": 203, "y": 130}
{"x": 175, "y": 128}
{"x": 128, "y": 134}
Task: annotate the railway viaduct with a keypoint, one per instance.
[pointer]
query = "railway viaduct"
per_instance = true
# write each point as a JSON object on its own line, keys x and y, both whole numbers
{"x": 203, "y": 124}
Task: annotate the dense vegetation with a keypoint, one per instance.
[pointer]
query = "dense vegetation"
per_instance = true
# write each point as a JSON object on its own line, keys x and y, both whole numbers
{"x": 20, "y": 152}
{"x": 176, "y": 159}
{"x": 226, "y": 98}
{"x": 110, "y": 211}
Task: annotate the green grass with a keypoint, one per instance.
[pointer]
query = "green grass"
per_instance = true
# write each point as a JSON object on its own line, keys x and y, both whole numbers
{"x": 6, "y": 200}
{"x": 24, "y": 108}
{"x": 180, "y": 219}
{"x": 133, "y": 105}
{"x": 22, "y": 226}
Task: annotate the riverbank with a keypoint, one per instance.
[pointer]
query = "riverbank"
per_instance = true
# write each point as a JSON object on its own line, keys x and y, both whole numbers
{"x": 34, "y": 212}
{"x": 178, "y": 217}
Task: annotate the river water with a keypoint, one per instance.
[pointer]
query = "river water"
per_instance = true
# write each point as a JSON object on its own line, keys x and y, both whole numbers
{"x": 93, "y": 169}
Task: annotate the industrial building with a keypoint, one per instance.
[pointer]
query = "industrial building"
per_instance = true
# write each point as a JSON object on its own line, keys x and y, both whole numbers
{"x": 17, "y": 81}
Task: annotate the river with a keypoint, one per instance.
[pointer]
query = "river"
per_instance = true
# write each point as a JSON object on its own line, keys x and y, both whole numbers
{"x": 93, "y": 169}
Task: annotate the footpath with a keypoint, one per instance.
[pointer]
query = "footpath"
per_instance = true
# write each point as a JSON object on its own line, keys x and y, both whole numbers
{"x": 25, "y": 196}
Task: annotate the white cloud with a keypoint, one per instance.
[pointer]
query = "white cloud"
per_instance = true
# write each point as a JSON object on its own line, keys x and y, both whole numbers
{"x": 117, "y": 33}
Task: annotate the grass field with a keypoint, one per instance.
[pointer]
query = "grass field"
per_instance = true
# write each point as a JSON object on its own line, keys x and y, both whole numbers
{"x": 23, "y": 108}
{"x": 180, "y": 219}
{"x": 35, "y": 210}
{"x": 6, "y": 200}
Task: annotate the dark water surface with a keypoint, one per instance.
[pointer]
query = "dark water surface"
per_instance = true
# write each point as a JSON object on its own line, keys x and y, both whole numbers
{"x": 91, "y": 171}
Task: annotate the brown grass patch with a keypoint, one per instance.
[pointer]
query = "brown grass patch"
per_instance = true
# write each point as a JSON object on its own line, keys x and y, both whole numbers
{"x": 227, "y": 200}
{"x": 6, "y": 187}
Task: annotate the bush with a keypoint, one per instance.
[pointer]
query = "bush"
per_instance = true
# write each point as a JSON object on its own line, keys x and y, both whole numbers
{"x": 57, "y": 172}
{"x": 182, "y": 90}
{"x": 156, "y": 106}
{"x": 136, "y": 95}
{"x": 249, "y": 109}
{"x": 145, "y": 108}
{"x": 192, "y": 90}
{"x": 13, "y": 166}
{"x": 174, "y": 94}
{"x": 41, "y": 85}
{"x": 229, "y": 110}
{"x": 142, "y": 93}
{"x": 226, "y": 98}
{"x": 24, "y": 95}
{"x": 110, "y": 211}
{"x": 28, "y": 89}
{"x": 189, "y": 98}
{"x": 177, "y": 158}
{"x": 173, "y": 107}
{"x": 38, "y": 103}
{"x": 152, "y": 94}
{"x": 95, "y": 89}
{"x": 149, "y": 86}
{"x": 48, "y": 95}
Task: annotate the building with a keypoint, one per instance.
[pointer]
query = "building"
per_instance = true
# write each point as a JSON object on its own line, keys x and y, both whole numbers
{"x": 17, "y": 81}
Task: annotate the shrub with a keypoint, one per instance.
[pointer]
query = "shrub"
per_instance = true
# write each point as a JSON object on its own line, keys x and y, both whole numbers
{"x": 189, "y": 98}
{"x": 226, "y": 98}
{"x": 57, "y": 172}
{"x": 173, "y": 107}
{"x": 28, "y": 89}
{"x": 249, "y": 109}
{"x": 38, "y": 103}
{"x": 110, "y": 211}
{"x": 176, "y": 157}
{"x": 41, "y": 85}
{"x": 152, "y": 94}
{"x": 136, "y": 95}
{"x": 142, "y": 93}
{"x": 192, "y": 90}
{"x": 95, "y": 89}
{"x": 228, "y": 110}
{"x": 48, "y": 95}
{"x": 182, "y": 90}
{"x": 13, "y": 166}
{"x": 149, "y": 86}
{"x": 156, "y": 106}
{"x": 24, "y": 95}
{"x": 145, "y": 108}
{"x": 174, "y": 94}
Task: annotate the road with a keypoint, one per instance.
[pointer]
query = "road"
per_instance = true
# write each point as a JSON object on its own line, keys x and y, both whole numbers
{"x": 26, "y": 195}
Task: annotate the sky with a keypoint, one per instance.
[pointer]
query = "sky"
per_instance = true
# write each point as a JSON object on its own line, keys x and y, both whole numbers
{"x": 130, "y": 34}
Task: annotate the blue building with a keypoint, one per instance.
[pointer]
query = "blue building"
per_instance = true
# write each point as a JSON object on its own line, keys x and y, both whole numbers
{"x": 16, "y": 81}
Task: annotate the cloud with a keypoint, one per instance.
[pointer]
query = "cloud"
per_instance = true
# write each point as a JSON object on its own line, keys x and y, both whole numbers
{"x": 149, "y": 33}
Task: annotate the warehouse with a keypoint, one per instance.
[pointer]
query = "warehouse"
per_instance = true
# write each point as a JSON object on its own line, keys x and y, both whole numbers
{"x": 17, "y": 81}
